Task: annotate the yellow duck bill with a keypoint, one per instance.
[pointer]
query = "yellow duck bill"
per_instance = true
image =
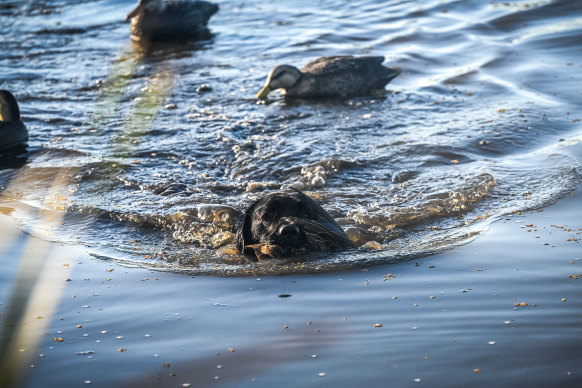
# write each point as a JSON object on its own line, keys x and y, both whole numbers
{"x": 262, "y": 95}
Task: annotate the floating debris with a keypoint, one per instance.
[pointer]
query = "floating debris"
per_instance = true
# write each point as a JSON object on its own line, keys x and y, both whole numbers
{"x": 84, "y": 353}
{"x": 204, "y": 88}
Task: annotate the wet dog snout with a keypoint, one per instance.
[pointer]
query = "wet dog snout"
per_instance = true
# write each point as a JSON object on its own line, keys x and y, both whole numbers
{"x": 289, "y": 231}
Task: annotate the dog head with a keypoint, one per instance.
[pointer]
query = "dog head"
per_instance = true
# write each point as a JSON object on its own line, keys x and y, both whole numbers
{"x": 284, "y": 224}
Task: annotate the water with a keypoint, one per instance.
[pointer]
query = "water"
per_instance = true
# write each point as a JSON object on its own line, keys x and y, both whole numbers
{"x": 470, "y": 132}
{"x": 135, "y": 162}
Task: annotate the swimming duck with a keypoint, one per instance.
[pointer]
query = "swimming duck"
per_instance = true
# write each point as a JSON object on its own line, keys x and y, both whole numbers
{"x": 160, "y": 20}
{"x": 12, "y": 129}
{"x": 336, "y": 76}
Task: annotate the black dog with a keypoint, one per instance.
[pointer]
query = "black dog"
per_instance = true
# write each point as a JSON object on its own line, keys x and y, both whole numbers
{"x": 285, "y": 224}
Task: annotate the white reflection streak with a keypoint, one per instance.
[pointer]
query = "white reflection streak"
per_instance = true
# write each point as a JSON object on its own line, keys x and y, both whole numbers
{"x": 38, "y": 287}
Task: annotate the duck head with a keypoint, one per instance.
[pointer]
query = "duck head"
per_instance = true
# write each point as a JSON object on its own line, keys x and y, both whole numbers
{"x": 280, "y": 77}
{"x": 9, "y": 110}
{"x": 153, "y": 6}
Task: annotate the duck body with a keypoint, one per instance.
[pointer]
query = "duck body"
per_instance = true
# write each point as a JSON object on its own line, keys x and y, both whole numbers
{"x": 13, "y": 132}
{"x": 166, "y": 21}
{"x": 334, "y": 76}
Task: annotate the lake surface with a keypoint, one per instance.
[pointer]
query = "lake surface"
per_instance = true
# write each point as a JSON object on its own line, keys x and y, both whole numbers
{"x": 143, "y": 157}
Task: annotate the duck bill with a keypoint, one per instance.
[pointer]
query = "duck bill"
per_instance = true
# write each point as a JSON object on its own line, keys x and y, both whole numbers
{"x": 135, "y": 11}
{"x": 262, "y": 95}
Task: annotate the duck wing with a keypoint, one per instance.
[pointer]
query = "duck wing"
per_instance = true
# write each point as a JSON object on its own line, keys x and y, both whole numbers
{"x": 342, "y": 64}
{"x": 196, "y": 12}
{"x": 345, "y": 75}
{"x": 183, "y": 20}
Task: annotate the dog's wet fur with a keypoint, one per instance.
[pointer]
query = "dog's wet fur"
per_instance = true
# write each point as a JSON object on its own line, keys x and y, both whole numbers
{"x": 281, "y": 225}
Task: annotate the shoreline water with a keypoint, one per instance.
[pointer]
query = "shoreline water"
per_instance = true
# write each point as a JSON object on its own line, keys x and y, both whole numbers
{"x": 131, "y": 151}
{"x": 501, "y": 310}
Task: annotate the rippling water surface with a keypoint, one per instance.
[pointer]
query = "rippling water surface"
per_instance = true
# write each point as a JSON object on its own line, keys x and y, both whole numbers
{"x": 148, "y": 155}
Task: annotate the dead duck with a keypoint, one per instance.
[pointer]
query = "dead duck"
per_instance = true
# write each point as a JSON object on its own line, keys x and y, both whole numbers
{"x": 12, "y": 130}
{"x": 336, "y": 76}
{"x": 159, "y": 20}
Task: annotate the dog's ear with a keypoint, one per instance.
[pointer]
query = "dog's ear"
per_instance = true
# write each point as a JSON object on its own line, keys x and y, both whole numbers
{"x": 244, "y": 235}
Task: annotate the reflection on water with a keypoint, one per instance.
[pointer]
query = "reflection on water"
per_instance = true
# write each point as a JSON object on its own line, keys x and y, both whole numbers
{"x": 159, "y": 148}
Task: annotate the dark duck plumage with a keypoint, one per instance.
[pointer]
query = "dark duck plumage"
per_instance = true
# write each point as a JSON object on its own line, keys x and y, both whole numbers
{"x": 336, "y": 76}
{"x": 178, "y": 21}
{"x": 12, "y": 129}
